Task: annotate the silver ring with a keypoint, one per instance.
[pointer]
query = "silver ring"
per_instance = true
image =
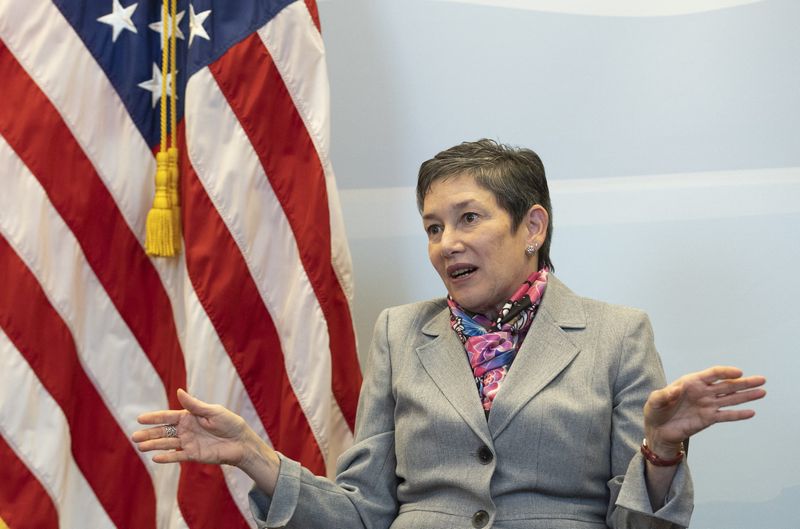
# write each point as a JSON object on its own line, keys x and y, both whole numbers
{"x": 170, "y": 430}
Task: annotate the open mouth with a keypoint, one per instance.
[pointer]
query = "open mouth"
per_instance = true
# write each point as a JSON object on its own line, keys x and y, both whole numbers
{"x": 462, "y": 272}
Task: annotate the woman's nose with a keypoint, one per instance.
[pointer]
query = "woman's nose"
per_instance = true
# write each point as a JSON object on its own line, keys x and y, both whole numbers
{"x": 451, "y": 242}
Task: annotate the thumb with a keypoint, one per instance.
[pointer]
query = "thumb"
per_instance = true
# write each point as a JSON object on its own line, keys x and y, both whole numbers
{"x": 192, "y": 404}
{"x": 665, "y": 396}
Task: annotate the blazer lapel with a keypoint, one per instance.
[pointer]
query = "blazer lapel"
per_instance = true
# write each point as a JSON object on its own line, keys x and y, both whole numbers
{"x": 546, "y": 351}
{"x": 445, "y": 361}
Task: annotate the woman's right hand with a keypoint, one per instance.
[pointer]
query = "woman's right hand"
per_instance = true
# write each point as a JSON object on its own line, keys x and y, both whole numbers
{"x": 208, "y": 433}
{"x": 205, "y": 433}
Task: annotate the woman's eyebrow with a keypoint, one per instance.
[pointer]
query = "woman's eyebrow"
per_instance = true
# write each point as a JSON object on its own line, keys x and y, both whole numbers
{"x": 453, "y": 207}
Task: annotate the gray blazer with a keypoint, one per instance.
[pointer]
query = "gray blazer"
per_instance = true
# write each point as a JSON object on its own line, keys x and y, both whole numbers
{"x": 559, "y": 449}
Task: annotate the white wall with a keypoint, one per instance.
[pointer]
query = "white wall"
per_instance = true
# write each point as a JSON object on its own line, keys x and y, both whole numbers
{"x": 671, "y": 136}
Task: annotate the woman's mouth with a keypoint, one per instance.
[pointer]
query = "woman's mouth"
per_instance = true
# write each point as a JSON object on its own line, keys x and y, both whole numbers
{"x": 460, "y": 271}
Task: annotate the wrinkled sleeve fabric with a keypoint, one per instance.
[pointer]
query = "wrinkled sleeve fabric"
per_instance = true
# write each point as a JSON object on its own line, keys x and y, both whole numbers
{"x": 640, "y": 372}
{"x": 364, "y": 493}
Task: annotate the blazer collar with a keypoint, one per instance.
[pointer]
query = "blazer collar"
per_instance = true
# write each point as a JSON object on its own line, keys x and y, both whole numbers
{"x": 546, "y": 351}
{"x": 445, "y": 361}
{"x": 564, "y": 306}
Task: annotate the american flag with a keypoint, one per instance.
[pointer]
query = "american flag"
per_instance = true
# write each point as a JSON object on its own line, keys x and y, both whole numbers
{"x": 254, "y": 314}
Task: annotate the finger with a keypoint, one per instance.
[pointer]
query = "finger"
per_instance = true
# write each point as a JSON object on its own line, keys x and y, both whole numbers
{"x": 173, "y": 456}
{"x": 149, "y": 433}
{"x": 733, "y": 415}
{"x": 164, "y": 443}
{"x": 146, "y": 434}
{"x": 725, "y": 387}
{"x": 194, "y": 405}
{"x": 716, "y": 373}
{"x": 160, "y": 417}
{"x": 741, "y": 397}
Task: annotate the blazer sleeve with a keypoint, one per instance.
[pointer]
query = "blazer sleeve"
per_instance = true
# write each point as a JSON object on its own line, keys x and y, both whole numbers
{"x": 640, "y": 372}
{"x": 364, "y": 493}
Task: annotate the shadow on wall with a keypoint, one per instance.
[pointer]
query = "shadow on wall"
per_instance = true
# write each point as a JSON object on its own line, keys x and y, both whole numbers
{"x": 781, "y": 510}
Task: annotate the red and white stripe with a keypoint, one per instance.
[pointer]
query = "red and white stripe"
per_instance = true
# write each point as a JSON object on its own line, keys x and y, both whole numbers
{"x": 254, "y": 315}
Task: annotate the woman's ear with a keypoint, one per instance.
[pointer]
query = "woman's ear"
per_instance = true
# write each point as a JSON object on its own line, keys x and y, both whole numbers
{"x": 536, "y": 221}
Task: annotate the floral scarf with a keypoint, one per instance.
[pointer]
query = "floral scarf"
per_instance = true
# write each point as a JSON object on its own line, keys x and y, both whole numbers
{"x": 492, "y": 346}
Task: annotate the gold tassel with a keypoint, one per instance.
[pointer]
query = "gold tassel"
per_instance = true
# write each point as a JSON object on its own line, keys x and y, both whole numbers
{"x": 163, "y": 232}
{"x": 160, "y": 238}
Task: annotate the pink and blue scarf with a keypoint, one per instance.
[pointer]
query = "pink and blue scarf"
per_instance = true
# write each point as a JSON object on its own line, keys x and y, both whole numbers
{"x": 492, "y": 345}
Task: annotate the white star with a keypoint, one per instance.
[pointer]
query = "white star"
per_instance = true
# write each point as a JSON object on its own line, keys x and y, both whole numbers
{"x": 196, "y": 24}
{"x": 119, "y": 19}
{"x": 154, "y": 84}
{"x": 158, "y": 27}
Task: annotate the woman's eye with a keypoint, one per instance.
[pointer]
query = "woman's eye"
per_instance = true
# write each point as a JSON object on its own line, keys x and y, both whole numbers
{"x": 470, "y": 217}
{"x": 433, "y": 229}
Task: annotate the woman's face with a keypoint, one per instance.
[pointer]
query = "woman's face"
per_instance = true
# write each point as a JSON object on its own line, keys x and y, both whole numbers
{"x": 471, "y": 244}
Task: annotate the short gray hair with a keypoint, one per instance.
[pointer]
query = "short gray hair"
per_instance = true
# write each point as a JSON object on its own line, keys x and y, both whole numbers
{"x": 515, "y": 176}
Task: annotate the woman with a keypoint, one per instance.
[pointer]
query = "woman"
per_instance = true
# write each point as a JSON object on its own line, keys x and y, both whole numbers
{"x": 513, "y": 403}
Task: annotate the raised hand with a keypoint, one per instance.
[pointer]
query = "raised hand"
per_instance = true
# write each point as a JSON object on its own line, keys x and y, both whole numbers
{"x": 695, "y": 402}
{"x": 206, "y": 433}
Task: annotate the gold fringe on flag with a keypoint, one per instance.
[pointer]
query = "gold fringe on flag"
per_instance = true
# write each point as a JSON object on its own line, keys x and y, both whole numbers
{"x": 163, "y": 236}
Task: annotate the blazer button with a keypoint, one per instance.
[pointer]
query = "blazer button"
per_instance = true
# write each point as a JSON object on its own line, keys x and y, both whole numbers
{"x": 485, "y": 455}
{"x": 480, "y": 519}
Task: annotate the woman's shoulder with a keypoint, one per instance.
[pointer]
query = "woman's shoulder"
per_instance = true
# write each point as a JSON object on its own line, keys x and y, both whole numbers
{"x": 407, "y": 323}
{"x": 563, "y": 303}
{"x": 419, "y": 312}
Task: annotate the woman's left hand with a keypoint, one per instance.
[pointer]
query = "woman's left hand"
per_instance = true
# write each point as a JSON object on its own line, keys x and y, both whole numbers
{"x": 696, "y": 401}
